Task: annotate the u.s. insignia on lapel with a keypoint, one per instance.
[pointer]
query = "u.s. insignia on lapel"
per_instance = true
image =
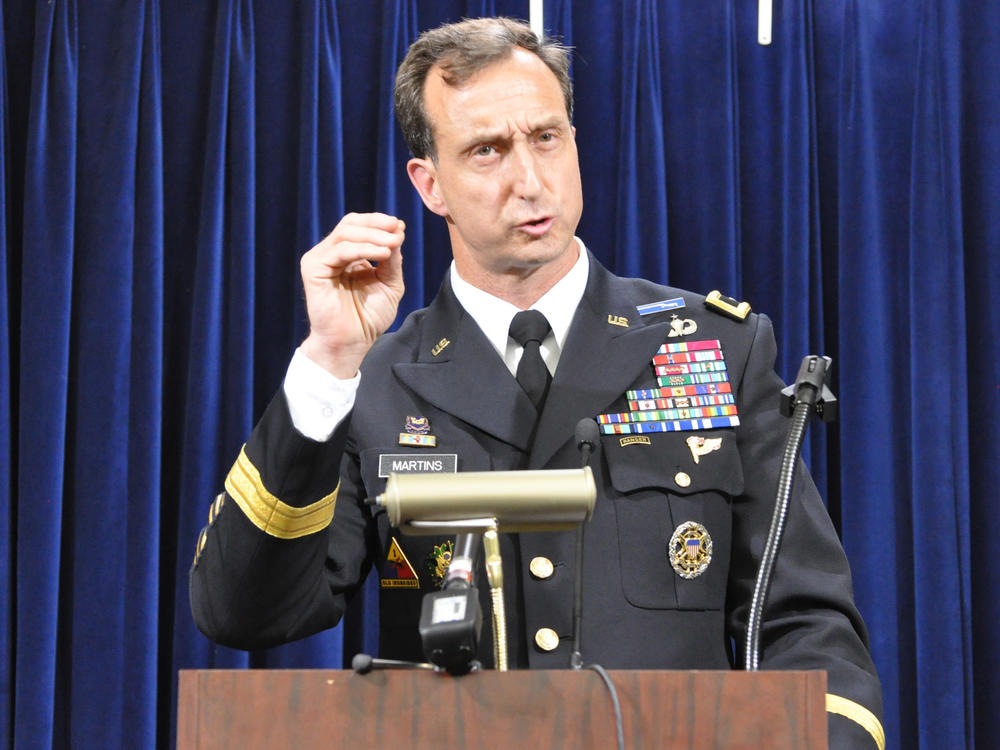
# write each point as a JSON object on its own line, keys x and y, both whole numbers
{"x": 398, "y": 573}
{"x": 690, "y": 550}
{"x": 694, "y": 393}
{"x": 417, "y": 433}
{"x": 438, "y": 561}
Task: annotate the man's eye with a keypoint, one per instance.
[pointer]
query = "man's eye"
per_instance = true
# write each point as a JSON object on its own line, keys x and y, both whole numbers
{"x": 484, "y": 150}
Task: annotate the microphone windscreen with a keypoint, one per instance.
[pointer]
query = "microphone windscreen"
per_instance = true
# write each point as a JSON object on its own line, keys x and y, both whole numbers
{"x": 587, "y": 433}
{"x": 362, "y": 663}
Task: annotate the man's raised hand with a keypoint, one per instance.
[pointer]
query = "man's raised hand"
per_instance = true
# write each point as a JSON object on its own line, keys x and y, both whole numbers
{"x": 350, "y": 300}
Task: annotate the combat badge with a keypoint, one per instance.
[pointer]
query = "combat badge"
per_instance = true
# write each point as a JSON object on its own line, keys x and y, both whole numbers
{"x": 417, "y": 433}
{"x": 690, "y": 550}
{"x": 700, "y": 446}
{"x": 398, "y": 573}
{"x": 438, "y": 561}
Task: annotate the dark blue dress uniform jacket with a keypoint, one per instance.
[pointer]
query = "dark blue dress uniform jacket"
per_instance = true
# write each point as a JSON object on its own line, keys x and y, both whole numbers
{"x": 270, "y": 569}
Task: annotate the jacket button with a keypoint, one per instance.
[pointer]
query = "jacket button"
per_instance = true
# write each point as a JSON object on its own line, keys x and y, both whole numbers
{"x": 541, "y": 567}
{"x": 546, "y": 639}
{"x": 682, "y": 479}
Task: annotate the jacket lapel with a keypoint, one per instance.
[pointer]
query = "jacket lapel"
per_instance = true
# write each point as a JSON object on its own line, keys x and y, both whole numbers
{"x": 459, "y": 372}
{"x": 601, "y": 359}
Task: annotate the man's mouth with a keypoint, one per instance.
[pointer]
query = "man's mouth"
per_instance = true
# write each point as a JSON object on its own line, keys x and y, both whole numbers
{"x": 536, "y": 227}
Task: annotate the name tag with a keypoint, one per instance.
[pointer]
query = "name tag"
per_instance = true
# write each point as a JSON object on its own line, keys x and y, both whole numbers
{"x": 417, "y": 463}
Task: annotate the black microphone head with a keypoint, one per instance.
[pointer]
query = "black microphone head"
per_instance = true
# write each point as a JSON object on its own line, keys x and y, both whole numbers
{"x": 362, "y": 663}
{"x": 587, "y": 433}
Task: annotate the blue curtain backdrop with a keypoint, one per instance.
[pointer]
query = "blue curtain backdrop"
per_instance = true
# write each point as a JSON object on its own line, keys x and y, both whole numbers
{"x": 164, "y": 165}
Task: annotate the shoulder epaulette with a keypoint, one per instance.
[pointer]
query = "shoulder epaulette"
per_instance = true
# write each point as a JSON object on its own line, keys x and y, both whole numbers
{"x": 727, "y": 305}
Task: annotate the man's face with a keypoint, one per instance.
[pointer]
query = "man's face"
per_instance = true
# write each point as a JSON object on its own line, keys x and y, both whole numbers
{"x": 506, "y": 176}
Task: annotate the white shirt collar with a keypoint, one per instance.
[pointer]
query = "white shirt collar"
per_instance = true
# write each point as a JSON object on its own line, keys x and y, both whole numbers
{"x": 558, "y": 305}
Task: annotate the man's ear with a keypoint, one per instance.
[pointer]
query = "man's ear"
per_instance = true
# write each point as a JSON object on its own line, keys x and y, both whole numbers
{"x": 423, "y": 175}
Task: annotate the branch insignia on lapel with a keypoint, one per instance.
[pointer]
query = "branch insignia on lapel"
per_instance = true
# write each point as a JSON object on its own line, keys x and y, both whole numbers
{"x": 718, "y": 302}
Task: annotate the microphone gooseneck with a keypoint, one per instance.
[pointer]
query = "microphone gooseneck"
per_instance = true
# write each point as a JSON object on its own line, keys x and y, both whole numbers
{"x": 587, "y": 437}
{"x": 806, "y": 396}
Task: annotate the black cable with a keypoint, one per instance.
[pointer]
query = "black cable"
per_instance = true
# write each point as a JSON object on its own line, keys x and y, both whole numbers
{"x": 575, "y": 658}
{"x": 619, "y": 729}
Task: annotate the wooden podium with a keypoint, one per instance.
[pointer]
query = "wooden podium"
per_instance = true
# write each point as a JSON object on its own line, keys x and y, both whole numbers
{"x": 534, "y": 710}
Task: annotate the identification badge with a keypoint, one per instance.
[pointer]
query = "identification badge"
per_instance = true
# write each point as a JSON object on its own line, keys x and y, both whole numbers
{"x": 417, "y": 463}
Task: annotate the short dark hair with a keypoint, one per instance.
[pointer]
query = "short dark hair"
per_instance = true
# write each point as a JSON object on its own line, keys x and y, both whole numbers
{"x": 461, "y": 50}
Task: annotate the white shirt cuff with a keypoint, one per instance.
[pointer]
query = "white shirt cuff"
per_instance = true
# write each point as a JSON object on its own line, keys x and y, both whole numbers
{"x": 317, "y": 400}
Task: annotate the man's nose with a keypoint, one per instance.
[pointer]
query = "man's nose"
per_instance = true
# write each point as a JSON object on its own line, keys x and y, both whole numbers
{"x": 526, "y": 178}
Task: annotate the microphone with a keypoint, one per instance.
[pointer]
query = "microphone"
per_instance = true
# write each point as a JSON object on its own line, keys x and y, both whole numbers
{"x": 364, "y": 663}
{"x": 810, "y": 389}
{"x": 463, "y": 561}
{"x": 452, "y": 617}
{"x": 587, "y": 437}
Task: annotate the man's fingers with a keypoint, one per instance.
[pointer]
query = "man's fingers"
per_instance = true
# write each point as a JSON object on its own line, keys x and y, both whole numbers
{"x": 371, "y": 235}
{"x": 377, "y": 228}
{"x": 374, "y": 219}
{"x": 356, "y": 242}
{"x": 391, "y": 271}
{"x": 331, "y": 260}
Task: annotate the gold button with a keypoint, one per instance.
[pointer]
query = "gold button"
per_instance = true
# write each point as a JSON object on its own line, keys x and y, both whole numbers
{"x": 682, "y": 479}
{"x": 547, "y": 639}
{"x": 541, "y": 567}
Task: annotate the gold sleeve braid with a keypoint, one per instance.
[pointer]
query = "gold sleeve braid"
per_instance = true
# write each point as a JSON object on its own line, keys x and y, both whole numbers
{"x": 268, "y": 513}
{"x": 835, "y": 704}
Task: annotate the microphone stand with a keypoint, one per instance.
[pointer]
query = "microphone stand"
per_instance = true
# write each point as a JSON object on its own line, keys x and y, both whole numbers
{"x": 807, "y": 396}
{"x": 587, "y": 439}
{"x": 494, "y": 573}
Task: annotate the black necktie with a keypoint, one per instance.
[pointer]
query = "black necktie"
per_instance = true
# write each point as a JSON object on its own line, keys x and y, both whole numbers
{"x": 529, "y": 328}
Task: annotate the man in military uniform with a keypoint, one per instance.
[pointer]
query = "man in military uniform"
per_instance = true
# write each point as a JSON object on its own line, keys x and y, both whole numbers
{"x": 682, "y": 386}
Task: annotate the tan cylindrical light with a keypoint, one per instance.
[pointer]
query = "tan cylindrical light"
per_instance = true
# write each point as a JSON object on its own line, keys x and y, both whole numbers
{"x": 544, "y": 500}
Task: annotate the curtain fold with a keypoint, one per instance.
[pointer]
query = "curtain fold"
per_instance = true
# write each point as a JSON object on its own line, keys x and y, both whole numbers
{"x": 641, "y": 212}
{"x": 939, "y": 427}
{"x": 115, "y": 367}
{"x": 980, "y": 214}
{"x": 217, "y": 407}
{"x": 49, "y": 206}
{"x": 781, "y": 251}
{"x": 162, "y": 169}
{"x": 142, "y": 532}
{"x": 90, "y": 385}
{"x": 6, "y": 435}
{"x": 394, "y": 194}
{"x": 702, "y": 80}
{"x": 318, "y": 207}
